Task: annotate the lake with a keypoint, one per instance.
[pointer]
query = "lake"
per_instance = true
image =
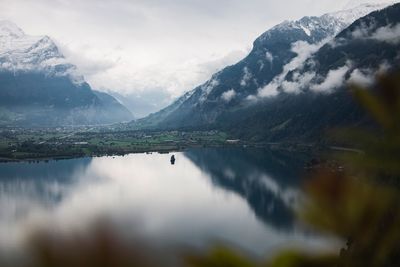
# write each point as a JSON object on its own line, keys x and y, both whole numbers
{"x": 242, "y": 197}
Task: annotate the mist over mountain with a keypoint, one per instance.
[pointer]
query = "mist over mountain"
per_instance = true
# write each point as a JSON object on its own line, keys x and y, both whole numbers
{"x": 39, "y": 87}
{"x": 143, "y": 104}
{"x": 292, "y": 85}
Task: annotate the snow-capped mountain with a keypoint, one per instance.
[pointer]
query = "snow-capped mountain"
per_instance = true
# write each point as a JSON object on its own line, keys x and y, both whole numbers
{"x": 355, "y": 3}
{"x": 38, "y": 86}
{"x": 248, "y": 96}
{"x": 20, "y": 52}
{"x": 329, "y": 24}
{"x": 350, "y": 15}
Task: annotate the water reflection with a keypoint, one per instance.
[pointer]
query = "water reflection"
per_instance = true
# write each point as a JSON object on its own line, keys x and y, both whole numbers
{"x": 237, "y": 196}
{"x": 268, "y": 181}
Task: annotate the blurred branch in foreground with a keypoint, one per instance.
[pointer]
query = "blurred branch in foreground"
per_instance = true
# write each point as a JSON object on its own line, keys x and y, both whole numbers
{"x": 360, "y": 205}
{"x": 100, "y": 246}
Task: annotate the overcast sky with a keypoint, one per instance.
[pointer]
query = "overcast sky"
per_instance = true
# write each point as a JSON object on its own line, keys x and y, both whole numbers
{"x": 156, "y": 46}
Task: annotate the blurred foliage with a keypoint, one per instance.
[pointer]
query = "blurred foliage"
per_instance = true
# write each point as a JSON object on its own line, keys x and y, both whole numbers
{"x": 219, "y": 257}
{"x": 101, "y": 246}
{"x": 298, "y": 259}
{"x": 380, "y": 146}
{"x": 360, "y": 204}
{"x": 224, "y": 257}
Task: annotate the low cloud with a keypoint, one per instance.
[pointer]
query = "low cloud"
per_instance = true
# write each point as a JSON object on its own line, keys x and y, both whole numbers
{"x": 228, "y": 95}
{"x": 366, "y": 77}
{"x": 362, "y": 32}
{"x": 87, "y": 63}
{"x": 304, "y": 50}
{"x": 389, "y": 34}
{"x": 334, "y": 79}
{"x": 252, "y": 98}
{"x": 361, "y": 77}
{"x": 299, "y": 81}
{"x": 213, "y": 65}
{"x": 270, "y": 90}
{"x": 384, "y": 67}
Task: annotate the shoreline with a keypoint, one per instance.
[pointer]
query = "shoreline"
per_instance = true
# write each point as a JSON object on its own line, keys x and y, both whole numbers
{"x": 311, "y": 150}
{"x": 4, "y": 160}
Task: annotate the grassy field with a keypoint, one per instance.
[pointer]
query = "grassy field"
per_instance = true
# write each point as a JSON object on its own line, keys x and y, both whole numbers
{"x": 32, "y": 144}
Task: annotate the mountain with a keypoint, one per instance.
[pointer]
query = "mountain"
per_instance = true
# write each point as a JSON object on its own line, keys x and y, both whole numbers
{"x": 39, "y": 87}
{"x": 313, "y": 98}
{"x": 291, "y": 85}
{"x": 142, "y": 104}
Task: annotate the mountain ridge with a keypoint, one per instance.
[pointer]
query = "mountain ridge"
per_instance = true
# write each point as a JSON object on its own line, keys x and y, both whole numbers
{"x": 271, "y": 52}
{"x": 240, "y": 91}
{"x": 40, "y": 87}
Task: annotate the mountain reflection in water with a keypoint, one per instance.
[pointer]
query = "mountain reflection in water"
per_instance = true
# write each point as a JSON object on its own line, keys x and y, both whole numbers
{"x": 268, "y": 181}
{"x": 244, "y": 197}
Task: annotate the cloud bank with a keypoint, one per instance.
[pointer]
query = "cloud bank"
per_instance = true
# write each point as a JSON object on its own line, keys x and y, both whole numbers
{"x": 135, "y": 46}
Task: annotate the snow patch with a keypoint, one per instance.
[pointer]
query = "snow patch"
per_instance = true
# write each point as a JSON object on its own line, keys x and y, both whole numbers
{"x": 307, "y": 31}
{"x": 207, "y": 88}
{"x": 269, "y": 57}
{"x": 246, "y": 77}
{"x": 350, "y": 15}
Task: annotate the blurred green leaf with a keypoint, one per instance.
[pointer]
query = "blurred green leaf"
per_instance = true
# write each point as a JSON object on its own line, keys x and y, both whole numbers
{"x": 298, "y": 259}
{"x": 219, "y": 257}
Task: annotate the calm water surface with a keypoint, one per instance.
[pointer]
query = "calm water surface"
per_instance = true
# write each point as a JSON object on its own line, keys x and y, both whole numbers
{"x": 244, "y": 197}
